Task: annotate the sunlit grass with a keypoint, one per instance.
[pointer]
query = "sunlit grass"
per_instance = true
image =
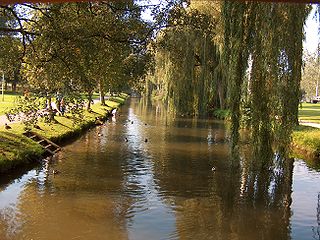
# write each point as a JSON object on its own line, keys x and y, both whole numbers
{"x": 307, "y": 139}
{"x": 14, "y": 147}
{"x": 310, "y": 112}
{"x": 9, "y": 102}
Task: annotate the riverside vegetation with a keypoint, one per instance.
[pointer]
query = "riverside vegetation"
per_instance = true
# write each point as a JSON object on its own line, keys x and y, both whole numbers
{"x": 194, "y": 56}
{"x": 17, "y": 150}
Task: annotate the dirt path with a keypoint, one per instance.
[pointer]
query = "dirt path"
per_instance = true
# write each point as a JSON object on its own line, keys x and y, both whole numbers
{"x": 310, "y": 124}
{"x": 3, "y": 120}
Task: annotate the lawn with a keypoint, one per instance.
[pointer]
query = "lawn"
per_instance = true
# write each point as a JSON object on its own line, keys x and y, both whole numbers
{"x": 9, "y": 102}
{"x": 310, "y": 112}
{"x": 15, "y": 149}
{"x": 11, "y": 98}
{"x": 307, "y": 139}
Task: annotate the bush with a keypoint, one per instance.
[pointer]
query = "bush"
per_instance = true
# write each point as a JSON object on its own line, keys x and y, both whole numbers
{"x": 221, "y": 113}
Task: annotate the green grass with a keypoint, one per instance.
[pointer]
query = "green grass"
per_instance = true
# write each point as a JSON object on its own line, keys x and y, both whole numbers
{"x": 9, "y": 102}
{"x": 16, "y": 149}
{"x": 307, "y": 140}
{"x": 310, "y": 112}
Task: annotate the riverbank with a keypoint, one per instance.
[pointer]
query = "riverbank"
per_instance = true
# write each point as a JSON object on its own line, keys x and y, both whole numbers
{"x": 305, "y": 137}
{"x": 17, "y": 150}
{"x": 306, "y": 142}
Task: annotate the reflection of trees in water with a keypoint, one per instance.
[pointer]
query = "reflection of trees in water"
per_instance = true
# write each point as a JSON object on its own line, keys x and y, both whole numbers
{"x": 316, "y": 230}
{"x": 247, "y": 197}
{"x": 266, "y": 189}
{"x": 250, "y": 200}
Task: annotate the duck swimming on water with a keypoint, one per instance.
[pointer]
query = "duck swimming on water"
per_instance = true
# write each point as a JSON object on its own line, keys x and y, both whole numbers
{"x": 55, "y": 171}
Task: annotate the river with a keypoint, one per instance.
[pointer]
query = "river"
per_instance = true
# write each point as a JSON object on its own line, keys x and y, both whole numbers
{"x": 144, "y": 175}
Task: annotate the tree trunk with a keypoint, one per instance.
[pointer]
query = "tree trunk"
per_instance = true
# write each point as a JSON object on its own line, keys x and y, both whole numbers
{"x": 14, "y": 87}
{"x": 89, "y": 100}
{"x": 49, "y": 106}
{"x": 221, "y": 95}
{"x": 49, "y": 103}
{"x": 101, "y": 90}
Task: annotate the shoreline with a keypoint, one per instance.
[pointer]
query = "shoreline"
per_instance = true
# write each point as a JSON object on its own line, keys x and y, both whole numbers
{"x": 305, "y": 144}
{"x": 18, "y": 151}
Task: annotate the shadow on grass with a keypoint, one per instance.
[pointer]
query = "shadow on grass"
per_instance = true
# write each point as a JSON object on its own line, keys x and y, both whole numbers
{"x": 11, "y": 140}
{"x": 310, "y": 106}
{"x": 116, "y": 100}
{"x": 58, "y": 122}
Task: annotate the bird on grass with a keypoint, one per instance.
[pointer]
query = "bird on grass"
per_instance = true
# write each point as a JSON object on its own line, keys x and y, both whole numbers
{"x": 6, "y": 126}
{"x": 37, "y": 127}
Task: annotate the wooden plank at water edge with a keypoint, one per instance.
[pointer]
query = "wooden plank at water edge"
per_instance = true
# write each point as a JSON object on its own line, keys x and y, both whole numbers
{"x": 45, "y": 143}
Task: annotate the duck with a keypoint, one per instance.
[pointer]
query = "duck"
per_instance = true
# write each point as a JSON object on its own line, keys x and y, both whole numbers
{"x": 6, "y": 126}
{"x": 54, "y": 171}
{"x": 213, "y": 169}
{"x": 126, "y": 139}
{"x": 146, "y": 140}
{"x": 131, "y": 122}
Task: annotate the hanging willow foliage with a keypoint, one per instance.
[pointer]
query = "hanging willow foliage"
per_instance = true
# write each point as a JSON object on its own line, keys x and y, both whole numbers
{"x": 258, "y": 62}
{"x": 186, "y": 62}
{"x": 268, "y": 37}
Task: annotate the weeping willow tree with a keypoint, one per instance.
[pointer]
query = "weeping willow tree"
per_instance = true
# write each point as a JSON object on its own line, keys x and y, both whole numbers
{"x": 186, "y": 63}
{"x": 251, "y": 50}
{"x": 263, "y": 51}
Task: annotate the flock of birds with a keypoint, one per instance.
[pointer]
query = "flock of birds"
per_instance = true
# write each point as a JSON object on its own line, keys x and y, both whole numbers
{"x": 7, "y": 127}
{"x": 145, "y": 140}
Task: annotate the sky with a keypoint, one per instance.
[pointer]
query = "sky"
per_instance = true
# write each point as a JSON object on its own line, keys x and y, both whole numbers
{"x": 312, "y": 34}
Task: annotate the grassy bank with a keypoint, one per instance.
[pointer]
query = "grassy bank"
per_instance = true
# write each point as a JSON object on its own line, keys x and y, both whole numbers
{"x": 306, "y": 142}
{"x": 9, "y": 101}
{"x": 310, "y": 112}
{"x": 16, "y": 149}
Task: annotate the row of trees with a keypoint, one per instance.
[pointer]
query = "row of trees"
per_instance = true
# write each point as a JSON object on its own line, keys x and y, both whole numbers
{"x": 74, "y": 47}
{"x": 311, "y": 75}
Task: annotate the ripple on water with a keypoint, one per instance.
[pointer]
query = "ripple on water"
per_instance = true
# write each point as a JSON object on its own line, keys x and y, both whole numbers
{"x": 306, "y": 201}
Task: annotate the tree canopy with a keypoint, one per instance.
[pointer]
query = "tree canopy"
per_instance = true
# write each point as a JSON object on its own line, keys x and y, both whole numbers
{"x": 196, "y": 56}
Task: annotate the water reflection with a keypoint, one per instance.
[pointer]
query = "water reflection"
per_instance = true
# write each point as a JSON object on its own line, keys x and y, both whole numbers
{"x": 114, "y": 185}
{"x": 247, "y": 202}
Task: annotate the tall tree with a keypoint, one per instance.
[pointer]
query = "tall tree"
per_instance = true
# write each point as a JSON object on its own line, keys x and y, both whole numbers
{"x": 254, "y": 35}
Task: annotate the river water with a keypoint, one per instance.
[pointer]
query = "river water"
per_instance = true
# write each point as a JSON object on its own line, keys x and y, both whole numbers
{"x": 144, "y": 175}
